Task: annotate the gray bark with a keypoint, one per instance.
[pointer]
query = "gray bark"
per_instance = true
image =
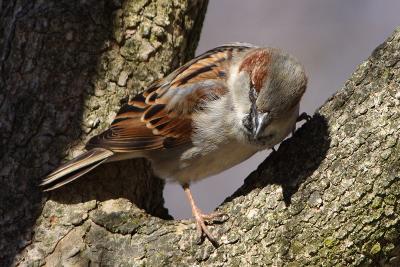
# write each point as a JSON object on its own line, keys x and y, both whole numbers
{"x": 65, "y": 69}
{"x": 328, "y": 196}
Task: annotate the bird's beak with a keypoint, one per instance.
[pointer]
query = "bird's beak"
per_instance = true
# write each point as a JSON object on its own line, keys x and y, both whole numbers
{"x": 261, "y": 120}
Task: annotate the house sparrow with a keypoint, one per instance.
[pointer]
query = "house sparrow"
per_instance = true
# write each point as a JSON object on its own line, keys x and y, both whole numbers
{"x": 210, "y": 114}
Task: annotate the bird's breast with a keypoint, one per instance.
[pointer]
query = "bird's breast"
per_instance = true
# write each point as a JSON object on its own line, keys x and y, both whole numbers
{"x": 199, "y": 162}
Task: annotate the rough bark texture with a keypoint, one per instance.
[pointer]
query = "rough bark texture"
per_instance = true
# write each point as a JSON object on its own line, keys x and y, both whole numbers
{"x": 329, "y": 196}
{"x": 65, "y": 68}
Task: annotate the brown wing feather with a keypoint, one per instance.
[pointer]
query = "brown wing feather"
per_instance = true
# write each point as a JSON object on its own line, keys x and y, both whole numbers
{"x": 161, "y": 116}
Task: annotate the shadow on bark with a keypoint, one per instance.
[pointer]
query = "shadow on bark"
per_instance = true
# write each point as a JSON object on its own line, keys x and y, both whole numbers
{"x": 47, "y": 105}
{"x": 130, "y": 179}
{"x": 117, "y": 180}
{"x": 50, "y": 55}
{"x": 291, "y": 165}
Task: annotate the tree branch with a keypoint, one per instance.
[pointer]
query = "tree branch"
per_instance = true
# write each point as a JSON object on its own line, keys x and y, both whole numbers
{"x": 329, "y": 195}
{"x": 66, "y": 68}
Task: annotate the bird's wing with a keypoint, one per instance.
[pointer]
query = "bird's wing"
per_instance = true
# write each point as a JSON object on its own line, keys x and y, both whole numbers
{"x": 161, "y": 116}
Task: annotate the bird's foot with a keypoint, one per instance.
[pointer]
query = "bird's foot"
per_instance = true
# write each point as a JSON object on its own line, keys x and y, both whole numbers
{"x": 202, "y": 220}
{"x": 303, "y": 116}
{"x": 215, "y": 216}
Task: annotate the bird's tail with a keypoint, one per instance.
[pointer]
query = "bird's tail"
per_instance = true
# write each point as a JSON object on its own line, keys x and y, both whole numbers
{"x": 75, "y": 168}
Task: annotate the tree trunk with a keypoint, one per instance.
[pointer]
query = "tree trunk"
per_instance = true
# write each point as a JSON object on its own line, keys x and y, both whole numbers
{"x": 65, "y": 69}
{"x": 329, "y": 196}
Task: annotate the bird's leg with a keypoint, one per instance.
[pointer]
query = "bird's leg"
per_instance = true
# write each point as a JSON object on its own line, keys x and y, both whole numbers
{"x": 200, "y": 217}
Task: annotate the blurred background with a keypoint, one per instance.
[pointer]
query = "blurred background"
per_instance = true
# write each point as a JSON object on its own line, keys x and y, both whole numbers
{"x": 329, "y": 37}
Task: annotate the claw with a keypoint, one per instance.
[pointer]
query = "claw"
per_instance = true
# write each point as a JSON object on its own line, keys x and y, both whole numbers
{"x": 202, "y": 229}
{"x": 215, "y": 216}
{"x": 303, "y": 116}
{"x": 201, "y": 218}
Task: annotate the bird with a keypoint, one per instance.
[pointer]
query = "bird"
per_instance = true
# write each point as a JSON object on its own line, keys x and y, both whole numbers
{"x": 208, "y": 115}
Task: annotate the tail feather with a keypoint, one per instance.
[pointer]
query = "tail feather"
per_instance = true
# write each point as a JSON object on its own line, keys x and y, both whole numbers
{"x": 76, "y": 168}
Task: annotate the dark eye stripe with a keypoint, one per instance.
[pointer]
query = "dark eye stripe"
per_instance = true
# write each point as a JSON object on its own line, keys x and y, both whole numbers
{"x": 252, "y": 93}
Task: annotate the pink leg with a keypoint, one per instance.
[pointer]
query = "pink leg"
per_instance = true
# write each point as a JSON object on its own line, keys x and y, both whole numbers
{"x": 200, "y": 217}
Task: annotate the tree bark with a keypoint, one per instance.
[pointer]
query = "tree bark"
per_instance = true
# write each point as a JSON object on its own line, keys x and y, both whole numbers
{"x": 329, "y": 196}
{"x": 65, "y": 69}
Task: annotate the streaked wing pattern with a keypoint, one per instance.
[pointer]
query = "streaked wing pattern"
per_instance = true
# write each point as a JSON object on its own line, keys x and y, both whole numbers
{"x": 161, "y": 116}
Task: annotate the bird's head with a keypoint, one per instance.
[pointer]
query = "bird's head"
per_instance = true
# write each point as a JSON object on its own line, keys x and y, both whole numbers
{"x": 267, "y": 85}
